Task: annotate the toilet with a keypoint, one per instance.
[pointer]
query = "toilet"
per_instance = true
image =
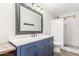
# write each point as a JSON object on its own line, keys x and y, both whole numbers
{"x": 57, "y": 46}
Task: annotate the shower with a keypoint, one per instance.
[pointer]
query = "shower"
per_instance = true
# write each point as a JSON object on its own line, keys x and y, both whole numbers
{"x": 71, "y": 32}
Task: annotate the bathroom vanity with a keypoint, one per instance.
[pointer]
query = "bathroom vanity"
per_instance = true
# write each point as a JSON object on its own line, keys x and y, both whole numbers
{"x": 34, "y": 46}
{"x": 29, "y": 21}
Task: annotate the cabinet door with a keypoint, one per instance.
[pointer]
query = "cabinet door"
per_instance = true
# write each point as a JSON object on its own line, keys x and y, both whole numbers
{"x": 43, "y": 47}
{"x": 48, "y": 49}
{"x": 28, "y": 50}
{"x": 50, "y": 46}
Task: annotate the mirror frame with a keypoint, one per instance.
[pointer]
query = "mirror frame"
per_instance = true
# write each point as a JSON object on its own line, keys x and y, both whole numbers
{"x": 17, "y": 21}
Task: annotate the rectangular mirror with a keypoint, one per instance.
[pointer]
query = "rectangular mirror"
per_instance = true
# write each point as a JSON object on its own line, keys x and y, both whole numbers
{"x": 28, "y": 21}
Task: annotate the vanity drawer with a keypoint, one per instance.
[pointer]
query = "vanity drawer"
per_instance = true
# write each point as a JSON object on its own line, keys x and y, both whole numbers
{"x": 43, "y": 42}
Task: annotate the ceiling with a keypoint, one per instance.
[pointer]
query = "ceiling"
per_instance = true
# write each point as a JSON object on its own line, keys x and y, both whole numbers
{"x": 60, "y": 8}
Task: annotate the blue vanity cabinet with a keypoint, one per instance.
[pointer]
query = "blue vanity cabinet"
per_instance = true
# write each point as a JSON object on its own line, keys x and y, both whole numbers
{"x": 42, "y": 47}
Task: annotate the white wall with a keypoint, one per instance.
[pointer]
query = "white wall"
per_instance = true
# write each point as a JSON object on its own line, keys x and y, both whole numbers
{"x": 7, "y": 22}
{"x": 47, "y": 17}
{"x": 57, "y": 30}
{"x": 7, "y": 17}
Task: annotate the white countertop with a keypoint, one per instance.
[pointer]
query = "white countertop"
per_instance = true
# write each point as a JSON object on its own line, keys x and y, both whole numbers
{"x": 22, "y": 41}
